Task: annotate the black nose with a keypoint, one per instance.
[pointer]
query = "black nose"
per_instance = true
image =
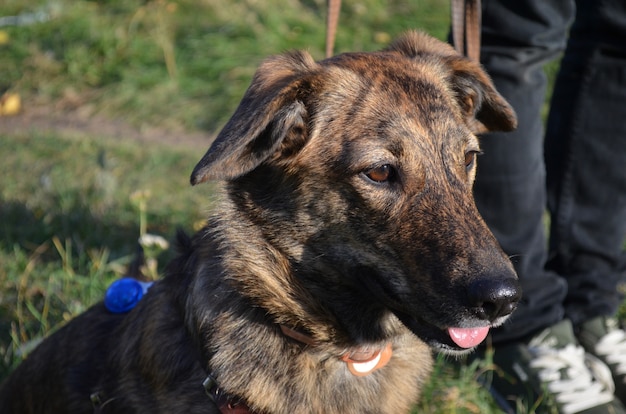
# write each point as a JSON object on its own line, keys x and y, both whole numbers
{"x": 494, "y": 297}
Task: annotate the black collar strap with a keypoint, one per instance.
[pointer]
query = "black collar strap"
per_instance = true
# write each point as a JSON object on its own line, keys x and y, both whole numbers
{"x": 227, "y": 404}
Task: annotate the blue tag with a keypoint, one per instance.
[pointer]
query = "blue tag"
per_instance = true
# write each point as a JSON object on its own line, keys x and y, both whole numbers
{"x": 124, "y": 294}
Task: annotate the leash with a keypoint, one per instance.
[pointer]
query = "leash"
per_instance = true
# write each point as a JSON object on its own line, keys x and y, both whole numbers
{"x": 332, "y": 18}
{"x": 466, "y": 21}
{"x": 465, "y": 18}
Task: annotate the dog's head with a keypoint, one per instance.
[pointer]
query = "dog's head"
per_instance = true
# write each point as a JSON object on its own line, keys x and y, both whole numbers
{"x": 359, "y": 169}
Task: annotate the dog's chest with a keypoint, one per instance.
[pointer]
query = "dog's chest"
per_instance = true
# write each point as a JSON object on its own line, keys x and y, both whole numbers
{"x": 292, "y": 378}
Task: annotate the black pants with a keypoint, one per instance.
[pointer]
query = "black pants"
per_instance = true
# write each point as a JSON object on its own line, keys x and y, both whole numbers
{"x": 577, "y": 169}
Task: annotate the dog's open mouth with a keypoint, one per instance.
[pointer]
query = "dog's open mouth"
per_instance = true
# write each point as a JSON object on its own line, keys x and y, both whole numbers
{"x": 453, "y": 340}
{"x": 447, "y": 339}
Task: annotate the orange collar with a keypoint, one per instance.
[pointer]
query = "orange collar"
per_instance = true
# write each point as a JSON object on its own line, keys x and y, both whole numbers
{"x": 361, "y": 361}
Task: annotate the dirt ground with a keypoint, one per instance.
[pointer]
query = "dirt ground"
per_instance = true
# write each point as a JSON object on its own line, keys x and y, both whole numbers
{"x": 74, "y": 123}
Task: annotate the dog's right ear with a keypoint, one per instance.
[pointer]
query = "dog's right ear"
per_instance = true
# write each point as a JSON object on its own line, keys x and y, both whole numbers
{"x": 482, "y": 107}
{"x": 269, "y": 113}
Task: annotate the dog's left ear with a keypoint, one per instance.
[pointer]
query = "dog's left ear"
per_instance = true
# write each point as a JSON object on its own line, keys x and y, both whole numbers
{"x": 481, "y": 106}
{"x": 269, "y": 114}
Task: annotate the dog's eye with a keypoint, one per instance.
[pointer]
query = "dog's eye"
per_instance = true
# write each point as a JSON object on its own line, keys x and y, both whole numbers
{"x": 381, "y": 174}
{"x": 470, "y": 159}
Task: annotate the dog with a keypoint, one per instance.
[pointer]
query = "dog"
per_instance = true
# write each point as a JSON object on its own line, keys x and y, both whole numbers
{"x": 346, "y": 247}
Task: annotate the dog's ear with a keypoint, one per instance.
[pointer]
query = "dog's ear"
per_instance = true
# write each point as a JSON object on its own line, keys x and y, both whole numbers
{"x": 482, "y": 107}
{"x": 269, "y": 113}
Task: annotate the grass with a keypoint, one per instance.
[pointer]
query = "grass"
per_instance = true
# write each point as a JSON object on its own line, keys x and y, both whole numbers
{"x": 70, "y": 213}
{"x": 73, "y": 206}
{"x": 179, "y": 63}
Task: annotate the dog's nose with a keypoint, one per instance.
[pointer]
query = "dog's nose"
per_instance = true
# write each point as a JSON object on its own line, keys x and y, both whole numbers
{"x": 493, "y": 298}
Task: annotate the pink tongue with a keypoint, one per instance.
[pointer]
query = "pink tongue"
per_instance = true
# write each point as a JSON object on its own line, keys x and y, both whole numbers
{"x": 468, "y": 337}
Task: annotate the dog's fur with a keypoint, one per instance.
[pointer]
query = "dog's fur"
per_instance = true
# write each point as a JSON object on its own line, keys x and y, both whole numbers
{"x": 347, "y": 215}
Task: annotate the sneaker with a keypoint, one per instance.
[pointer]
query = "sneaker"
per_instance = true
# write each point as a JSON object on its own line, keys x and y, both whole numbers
{"x": 604, "y": 338}
{"x": 551, "y": 372}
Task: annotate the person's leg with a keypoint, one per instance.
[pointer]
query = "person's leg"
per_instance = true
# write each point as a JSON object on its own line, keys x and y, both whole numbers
{"x": 586, "y": 177}
{"x": 586, "y": 160}
{"x": 518, "y": 38}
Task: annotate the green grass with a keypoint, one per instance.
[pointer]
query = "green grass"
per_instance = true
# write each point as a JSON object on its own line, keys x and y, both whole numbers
{"x": 180, "y": 63}
{"x": 71, "y": 207}
{"x": 69, "y": 218}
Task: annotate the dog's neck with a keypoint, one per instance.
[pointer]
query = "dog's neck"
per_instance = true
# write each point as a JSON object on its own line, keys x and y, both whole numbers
{"x": 361, "y": 361}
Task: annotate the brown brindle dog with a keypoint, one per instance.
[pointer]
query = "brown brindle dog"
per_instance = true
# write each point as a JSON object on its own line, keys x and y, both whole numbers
{"x": 346, "y": 247}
